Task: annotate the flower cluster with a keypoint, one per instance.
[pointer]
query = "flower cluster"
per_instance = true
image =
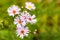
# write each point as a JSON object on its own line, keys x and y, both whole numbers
{"x": 22, "y": 18}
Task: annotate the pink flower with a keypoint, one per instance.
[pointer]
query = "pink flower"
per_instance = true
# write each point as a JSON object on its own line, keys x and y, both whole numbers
{"x": 31, "y": 19}
{"x": 13, "y": 10}
{"x": 25, "y": 15}
{"x": 19, "y": 21}
{"x": 22, "y": 31}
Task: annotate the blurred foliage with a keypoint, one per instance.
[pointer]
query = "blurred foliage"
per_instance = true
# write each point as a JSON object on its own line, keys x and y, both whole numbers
{"x": 48, "y": 20}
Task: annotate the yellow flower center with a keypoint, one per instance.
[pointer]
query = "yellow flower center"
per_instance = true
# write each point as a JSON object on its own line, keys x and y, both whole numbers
{"x": 29, "y": 6}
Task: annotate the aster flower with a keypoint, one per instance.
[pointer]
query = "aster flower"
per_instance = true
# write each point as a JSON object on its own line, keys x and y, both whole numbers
{"x": 19, "y": 21}
{"x": 25, "y": 14}
{"x": 27, "y": 17}
{"x": 13, "y": 10}
{"x": 22, "y": 31}
{"x": 31, "y": 19}
{"x": 29, "y": 5}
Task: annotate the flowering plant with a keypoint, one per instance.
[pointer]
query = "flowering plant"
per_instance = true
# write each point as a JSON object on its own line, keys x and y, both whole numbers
{"x": 21, "y": 19}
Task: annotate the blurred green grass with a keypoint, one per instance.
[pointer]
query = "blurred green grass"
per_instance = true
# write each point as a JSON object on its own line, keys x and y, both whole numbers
{"x": 47, "y": 15}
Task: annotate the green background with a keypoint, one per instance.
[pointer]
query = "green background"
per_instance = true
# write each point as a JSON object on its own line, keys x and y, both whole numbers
{"x": 48, "y": 20}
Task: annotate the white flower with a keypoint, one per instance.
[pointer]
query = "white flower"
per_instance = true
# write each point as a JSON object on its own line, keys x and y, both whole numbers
{"x": 29, "y": 5}
{"x": 31, "y": 19}
{"x": 19, "y": 21}
{"x": 25, "y": 15}
{"x": 22, "y": 31}
{"x": 13, "y": 10}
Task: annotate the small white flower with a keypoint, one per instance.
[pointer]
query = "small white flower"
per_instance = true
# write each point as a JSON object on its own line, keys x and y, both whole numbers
{"x": 31, "y": 19}
{"x": 22, "y": 31}
{"x": 29, "y": 5}
{"x": 25, "y": 15}
{"x": 19, "y": 21}
{"x": 13, "y": 10}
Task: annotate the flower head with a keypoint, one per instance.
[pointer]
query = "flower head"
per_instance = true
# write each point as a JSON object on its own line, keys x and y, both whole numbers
{"x": 29, "y": 5}
{"x": 13, "y": 10}
{"x": 22, "y": 31}
{"x": 31, "y": 19}
{"x": 25, "y": 15}
{"x": 19, "y": 21}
